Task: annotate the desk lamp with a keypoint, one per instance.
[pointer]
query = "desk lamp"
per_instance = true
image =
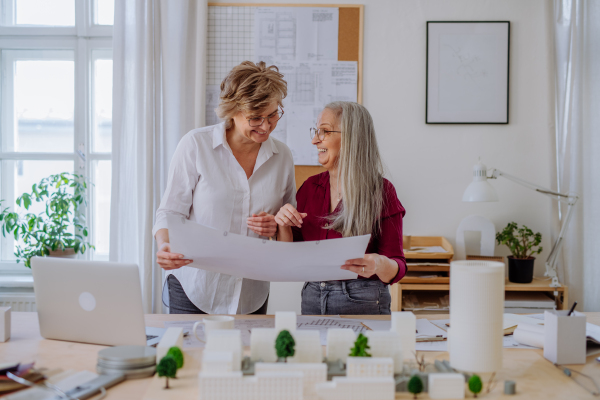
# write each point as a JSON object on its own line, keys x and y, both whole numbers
{"x": 481, "y": 190}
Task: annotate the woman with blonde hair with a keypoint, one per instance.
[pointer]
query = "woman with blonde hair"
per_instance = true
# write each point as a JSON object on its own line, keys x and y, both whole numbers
{"x": 350, "y": 198}
{"x": 231, "y": 176}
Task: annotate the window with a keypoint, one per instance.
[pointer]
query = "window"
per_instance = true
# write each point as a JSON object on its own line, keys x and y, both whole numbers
{"x": 56, "y": 105}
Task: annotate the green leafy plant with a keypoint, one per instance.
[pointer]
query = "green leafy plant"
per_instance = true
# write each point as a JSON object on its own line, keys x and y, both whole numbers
{"x": 167, "y": 367}
{"x": 285, "y": 345}
{"x": 177, "y": 355}
{"x": 61, "y": 226}
{"x": 522, "y": 242}
{"x": 415, "y": 385}
{"x": 360, "y": 347}
{"x": 475, "y": 385}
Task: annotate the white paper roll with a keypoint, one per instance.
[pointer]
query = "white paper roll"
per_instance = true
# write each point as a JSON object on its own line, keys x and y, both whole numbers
{"x": 529, "y": 334}
{"x": 476, "y": 315}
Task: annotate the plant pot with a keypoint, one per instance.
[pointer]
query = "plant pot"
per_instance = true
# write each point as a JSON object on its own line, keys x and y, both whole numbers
{"x": 520, "y": 270}
{"x": 63, "y": 253}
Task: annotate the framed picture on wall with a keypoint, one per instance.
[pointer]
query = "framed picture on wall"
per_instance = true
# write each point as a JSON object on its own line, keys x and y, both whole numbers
{"x": 467, "y": 72}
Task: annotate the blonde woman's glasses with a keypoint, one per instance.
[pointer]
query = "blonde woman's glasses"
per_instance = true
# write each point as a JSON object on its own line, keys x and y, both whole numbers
{"x": 320, "y": 133}
{"x": 258, "y": 121}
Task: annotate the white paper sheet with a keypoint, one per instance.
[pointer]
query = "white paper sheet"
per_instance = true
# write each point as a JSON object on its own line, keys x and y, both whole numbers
{"x": 425, "y": 329}
{"x": 212, "y": 101}
{"x": 295, "y": 33}
{"x": 311, "y": 86}
{"x": 262, "y": 259}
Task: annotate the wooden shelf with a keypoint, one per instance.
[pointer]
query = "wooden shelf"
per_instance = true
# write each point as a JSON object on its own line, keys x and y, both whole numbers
{"x": 538, "y": 285}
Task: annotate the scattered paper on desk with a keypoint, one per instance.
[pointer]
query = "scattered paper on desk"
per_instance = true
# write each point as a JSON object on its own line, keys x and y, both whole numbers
{"x": 511, "y": 320}
{"x": 438, "y": 345}
{"x": 65, "y": 381}
{"x": 262, "y": 259}
{"x": 426, "y": 329}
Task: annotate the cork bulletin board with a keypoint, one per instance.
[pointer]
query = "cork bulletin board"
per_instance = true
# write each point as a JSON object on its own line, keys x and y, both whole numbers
{"x": 350, "y": 45}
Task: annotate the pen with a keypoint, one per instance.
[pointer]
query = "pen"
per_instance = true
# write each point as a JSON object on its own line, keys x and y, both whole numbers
{"x": 572, "y": 309}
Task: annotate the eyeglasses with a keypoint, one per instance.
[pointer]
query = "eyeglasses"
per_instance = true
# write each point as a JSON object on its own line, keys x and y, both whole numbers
{"x": 320, "y": 133}
{"x": 258, "y": 121}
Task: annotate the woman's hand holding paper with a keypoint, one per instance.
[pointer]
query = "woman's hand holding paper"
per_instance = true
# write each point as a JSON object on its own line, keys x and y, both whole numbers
{"x": 168, "y": 260}
{"x": 289, "y": 216}
{"x": 263, "y": 224}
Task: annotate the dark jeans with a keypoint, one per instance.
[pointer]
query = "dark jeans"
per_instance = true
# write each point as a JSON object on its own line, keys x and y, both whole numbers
{"x": 179, "y": 303}
{"x": 352, "y": 297}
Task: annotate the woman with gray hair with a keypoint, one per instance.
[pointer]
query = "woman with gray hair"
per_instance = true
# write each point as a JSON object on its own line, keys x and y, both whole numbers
{"x": 351, "y": 198}
{"x": 233, "y": 177}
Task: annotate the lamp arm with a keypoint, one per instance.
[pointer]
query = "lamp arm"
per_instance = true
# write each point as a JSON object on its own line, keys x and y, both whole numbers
{"x": 562, "y": 197}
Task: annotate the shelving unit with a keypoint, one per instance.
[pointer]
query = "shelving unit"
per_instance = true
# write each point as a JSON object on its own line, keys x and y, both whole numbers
{"x": 442, "y": 283}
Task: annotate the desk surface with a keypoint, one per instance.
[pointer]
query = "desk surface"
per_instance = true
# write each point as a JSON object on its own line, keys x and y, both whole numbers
{"x": 536, "y": 378}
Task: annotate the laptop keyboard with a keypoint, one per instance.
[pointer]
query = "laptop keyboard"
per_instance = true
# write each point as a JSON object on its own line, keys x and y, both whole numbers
{"x": 150, "y": 337}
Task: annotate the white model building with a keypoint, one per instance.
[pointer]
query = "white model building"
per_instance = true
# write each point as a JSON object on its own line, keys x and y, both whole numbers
{"x": 386, "y": 344}
{"x": 226, "y": 340}
{"x": 173, "y": 336}
{"x": 217, "y": 361}
{"x": 339, "y": 343}
{"x": 262, "y": 344}
{"x": 370, "y": 367}
{"x": 4, "y": 324}
{"x": 308, "y": 347}
{"x": 405, "y": 323}
{"x": 312, "y": 374}
{"x": 285, "y": 320}
{"x": 446, "y": 386}
{"x": 341, "y": 388}
{"x": 262, "y": 386}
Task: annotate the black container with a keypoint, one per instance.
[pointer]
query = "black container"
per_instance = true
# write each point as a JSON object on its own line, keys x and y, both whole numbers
{"x": 520, "y": 270}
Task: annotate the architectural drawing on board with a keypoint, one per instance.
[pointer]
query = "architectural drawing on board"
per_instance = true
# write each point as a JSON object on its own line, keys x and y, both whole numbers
{"x": 304, "y": 88}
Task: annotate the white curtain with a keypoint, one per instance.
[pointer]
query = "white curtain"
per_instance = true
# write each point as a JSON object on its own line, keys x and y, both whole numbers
{"x": 577, "y": 67}
{"x": 159, "y": 71}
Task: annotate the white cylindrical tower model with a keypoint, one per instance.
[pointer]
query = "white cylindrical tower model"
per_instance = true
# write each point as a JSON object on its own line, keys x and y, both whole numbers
{"x": 475, "y": 337}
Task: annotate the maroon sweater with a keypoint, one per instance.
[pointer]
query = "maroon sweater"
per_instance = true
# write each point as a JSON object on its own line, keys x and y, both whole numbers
{"x": 314, "y": 199}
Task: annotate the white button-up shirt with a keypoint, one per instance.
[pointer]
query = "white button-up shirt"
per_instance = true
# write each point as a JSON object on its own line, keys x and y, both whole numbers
{"x": 207, "y": 185}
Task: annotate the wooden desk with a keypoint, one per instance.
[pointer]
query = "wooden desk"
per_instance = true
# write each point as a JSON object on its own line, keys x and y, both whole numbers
{"x": 536, "y": 378}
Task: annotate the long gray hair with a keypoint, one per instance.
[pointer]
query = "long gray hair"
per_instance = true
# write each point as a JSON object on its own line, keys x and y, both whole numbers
{"x": 360, "y": 172}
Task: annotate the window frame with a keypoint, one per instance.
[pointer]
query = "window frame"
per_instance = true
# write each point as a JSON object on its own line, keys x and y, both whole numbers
{"x": 83, "y": 40}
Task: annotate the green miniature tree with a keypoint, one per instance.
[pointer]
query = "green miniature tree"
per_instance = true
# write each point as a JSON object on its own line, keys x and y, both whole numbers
{"x": 167, "y": 367}
{"x": 360, "y": 347}
{"x": 415, "y": 385}
{"x": 475, "y": 385}
{"x": 177, "y": 355}
{"x": 284, "y": 345}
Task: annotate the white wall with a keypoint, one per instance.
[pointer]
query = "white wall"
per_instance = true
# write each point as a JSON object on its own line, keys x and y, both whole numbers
{"x": 430, "y": 165}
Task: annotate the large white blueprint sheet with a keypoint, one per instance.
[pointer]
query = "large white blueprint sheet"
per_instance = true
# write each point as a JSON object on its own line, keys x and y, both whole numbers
{"x": 262, "y": 259}
{"x": 311, "y": 86}
{"x": 295, "y": 34}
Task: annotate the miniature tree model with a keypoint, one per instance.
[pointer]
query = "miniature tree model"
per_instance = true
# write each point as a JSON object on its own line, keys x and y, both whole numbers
{"x": 475, "y": 385}
{"x": 415, "y": 385}
{"x": 360, "y": 347}
{"x": 177, "y": 355}
{"x": 167, "y": 367}
{"x": 284, "y": 345}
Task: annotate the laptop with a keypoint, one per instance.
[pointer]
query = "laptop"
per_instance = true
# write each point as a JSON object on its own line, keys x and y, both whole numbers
{"x": 91, "y": 302}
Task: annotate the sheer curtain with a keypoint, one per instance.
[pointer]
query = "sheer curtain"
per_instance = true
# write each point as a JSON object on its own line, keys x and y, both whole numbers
{"x": 158, "y": 87}
{"x": 577, "y": 66}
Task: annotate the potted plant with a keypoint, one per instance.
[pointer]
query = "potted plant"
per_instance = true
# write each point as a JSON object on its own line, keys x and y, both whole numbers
{"x": 59, "y": 230}
{"x": 523, "y": 244}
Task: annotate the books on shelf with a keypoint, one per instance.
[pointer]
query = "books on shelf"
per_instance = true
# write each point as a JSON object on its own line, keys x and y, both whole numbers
{"x": 527, "y": 302}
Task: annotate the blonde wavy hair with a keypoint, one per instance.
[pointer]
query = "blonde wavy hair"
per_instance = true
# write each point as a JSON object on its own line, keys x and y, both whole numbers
{"x": 360, "y": 172}
{"x": 250, "y": 88}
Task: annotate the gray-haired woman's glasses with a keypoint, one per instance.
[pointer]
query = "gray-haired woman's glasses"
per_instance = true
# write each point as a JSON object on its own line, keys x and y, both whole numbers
{"x": 258, "y": 121}
{"x": 320, "y": 133}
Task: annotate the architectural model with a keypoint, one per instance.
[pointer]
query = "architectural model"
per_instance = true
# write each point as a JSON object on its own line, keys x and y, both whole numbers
{"x": 304, "y": 375}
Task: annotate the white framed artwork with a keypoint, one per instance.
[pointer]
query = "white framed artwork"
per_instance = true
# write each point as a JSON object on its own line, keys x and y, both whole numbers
{"x": 467, "y": 72}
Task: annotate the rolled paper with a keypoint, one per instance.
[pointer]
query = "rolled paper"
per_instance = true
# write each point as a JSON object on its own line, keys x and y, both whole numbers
{"x": 530, "y": 335}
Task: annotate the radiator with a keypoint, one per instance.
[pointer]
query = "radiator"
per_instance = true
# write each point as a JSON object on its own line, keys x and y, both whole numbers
{"x": 18, "y": 301}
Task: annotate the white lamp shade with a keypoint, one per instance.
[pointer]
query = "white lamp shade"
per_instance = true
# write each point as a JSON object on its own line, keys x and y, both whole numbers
{"x": 480, "y": 189}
